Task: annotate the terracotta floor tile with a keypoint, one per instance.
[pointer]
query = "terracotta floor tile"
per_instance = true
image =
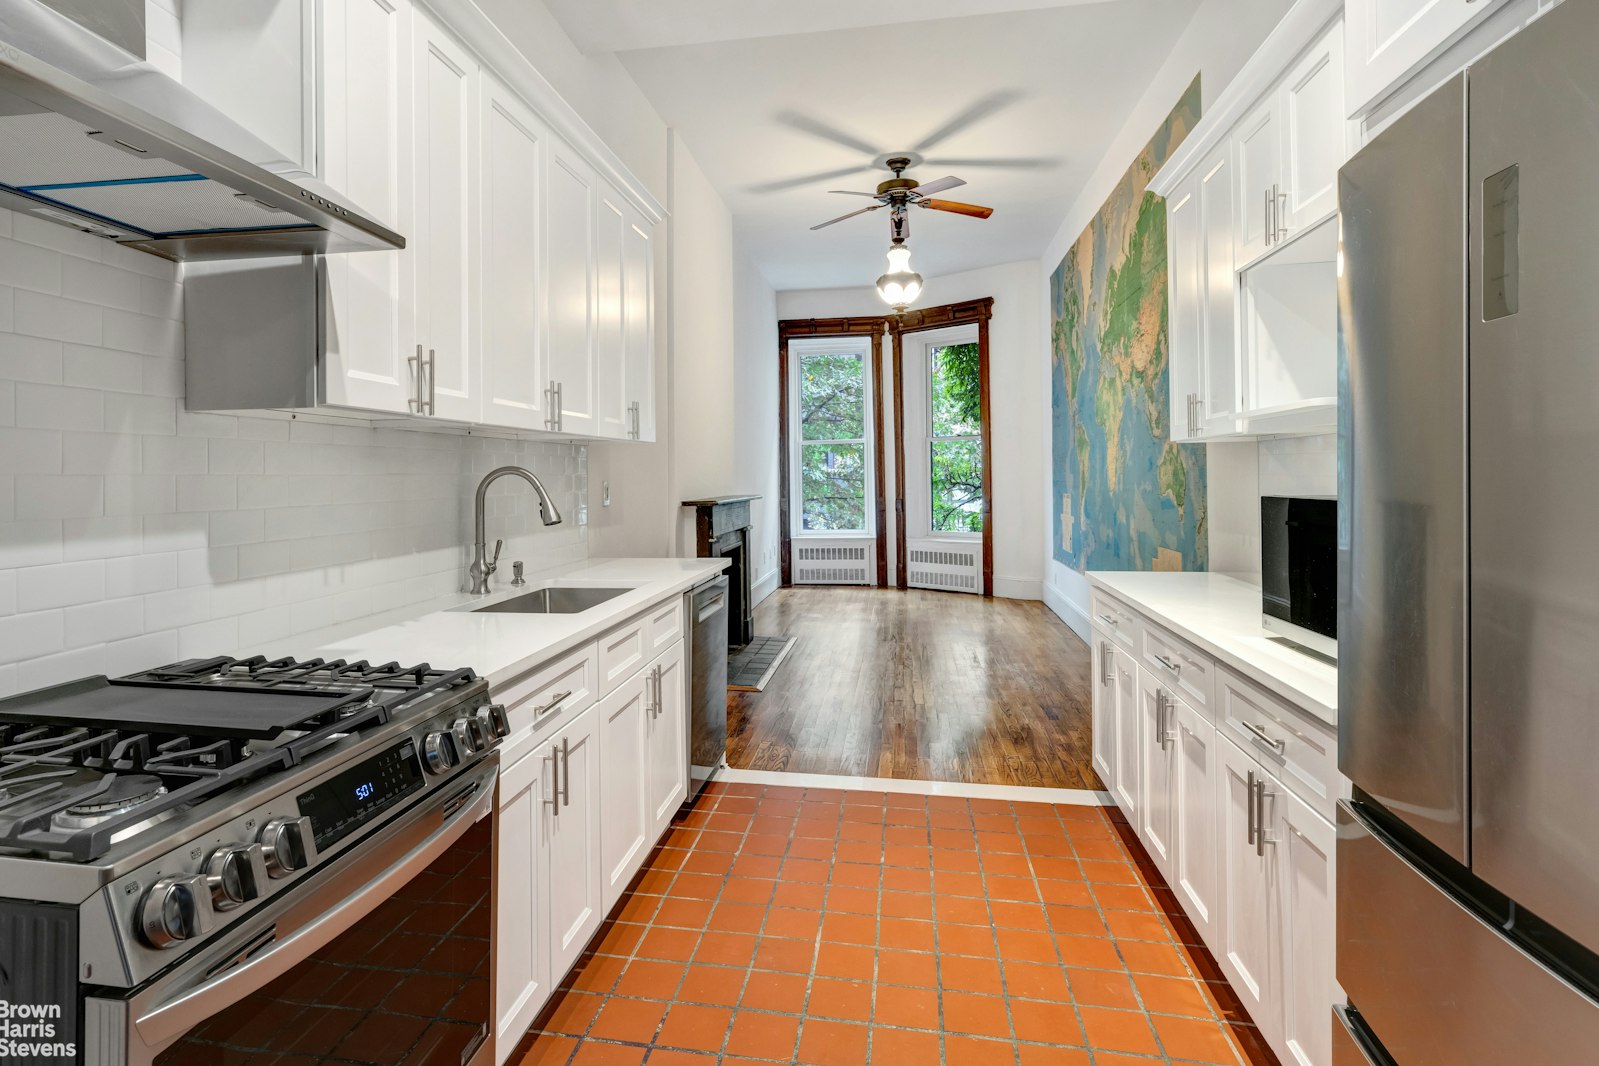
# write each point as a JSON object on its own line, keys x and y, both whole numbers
{"x": 840, "y": 1000}
{"x": 791, "y": 922}
{"x": 709, "y": 862}
{"x": 905, "y": 934}
{"x": 962, "y": 861}
{"x": 1194, "y": 1038}
{"x": 851, "y": 962}
{"x": 897, "y": 880}
{"x": 953, "y": 839}
{"x": 790, "y": 956}
{"x": 966, "y": 940}
{"x": 1075, "y": 921}
{"x": 1252, "y": 1049}
{"x": 856, "y": 875}
{"x": 1014, "y": 915}
{"x": 668, "y": 1057}
{"x": 717, "y": 986}
{"x": 764, "y": 844}
{"x": 749, "y": 890}
{"x": 894, "y": 1047}
{"x": 763, "y": 1036}
{"x": 962, "y": 910}
{"x": 640, "y": 909}
{"x": 957, "y": 884}
{"x": 633, "y": 1020}
{"x": 547, "y": 1050}
{"x": 810, "y": 871}
{"x": 1173, "y": 995}
{"x": 767, "y": 866}
{"x": 727, "y": 949}
{"x": 737, "y": 918}
{"x": 791, "y": 894}
{"x": 572, "y": 1013}
{"x": 1046, "y": 1023}
{"x": 1123, "y": 897}
{"x": 975, "y": 1015}
{"x": 1026, "y": 945}
{"x": 1118, "y": 1030}
{"x": 978, "y": 1051}
{"x": 597, "y": 973}
{"x": 907, "y": 968}
{"x": 1069, "y": 893}
{"x": 664, "y": 942}
{"x": 1145, "y": 957}
{"x": 595, "y": 1053}
{"x": 650, "y": 979}
{"x": 1034, "y": 1055}
{"x": 695, "y": 1028}
{"x": 696, "y": 886}
{"x": 1037, "y": 980}
{"x": 859, "y": 851}
{"x": 1137, "y": 925}
{"x": 905, "y": 904}
{"x": 907, "y": 836}
{"x": 861, "y": 831}
{"x": 906, "y": 1008}
{"x": 852, "y": 900}
{"x": 1109, "y": 872}
{"x": 684, "y": 913}
{"x": 904, "y": 855}
{"x": 1102, "y": 988}
{"x": 784, "y": 992}
{"x": 1005, "y": 842}
{"x": 970, "y": 975}
{"x": 619, "y": 938}
{"x": 1095, "y": 952}
{"x": 825, "y": 1043}
{"x": 1001, "y": 864}
{"x": 1058, "y": 869}
{"x": 1001, "y": 886}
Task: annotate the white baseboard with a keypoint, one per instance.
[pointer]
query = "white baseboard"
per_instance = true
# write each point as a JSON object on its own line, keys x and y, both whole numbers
{"x": 765, "y": 585}
{"x": 1074, "y": 615}
{"x": 1018, "y": 588}
{"x": 964, "y": 789}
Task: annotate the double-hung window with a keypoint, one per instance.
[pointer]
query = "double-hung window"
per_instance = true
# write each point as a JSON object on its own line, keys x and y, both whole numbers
{"x": 830, "y": 393}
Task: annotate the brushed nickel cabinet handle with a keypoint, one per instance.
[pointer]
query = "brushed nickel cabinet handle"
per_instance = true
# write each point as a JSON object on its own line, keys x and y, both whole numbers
{"x": 555, "y": 701}
{"x": 415, "y": 363}
{"x": 555, "y": 783}
{"x": 1175, "y": 668}
{"x": 1106, "y": 657}
{"x": 1249, "y": 802}
{"x": 1277, "y": 744}
{"x": 566, "y": 771}
{"x": 432, "y": 381}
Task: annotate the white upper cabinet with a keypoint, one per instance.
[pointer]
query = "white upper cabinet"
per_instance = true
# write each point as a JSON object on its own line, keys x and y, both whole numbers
{"x": 1204, "y": 355}
{"x": 1185, "y": 319}
{"x": 1388, "y": 39}
{"x": 638, "y": 330}
{"x": 1316, "y": 141}
{"x": 1258, "y": 161}
{"x": 511, "y": 340}
{"x": 612, "y": 417}
{"x": 573, "y": 342}
{"x": 444, "y": 230}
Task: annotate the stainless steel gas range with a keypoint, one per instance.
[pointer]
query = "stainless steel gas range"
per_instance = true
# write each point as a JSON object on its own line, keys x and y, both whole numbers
{"x": 227, "y": 861}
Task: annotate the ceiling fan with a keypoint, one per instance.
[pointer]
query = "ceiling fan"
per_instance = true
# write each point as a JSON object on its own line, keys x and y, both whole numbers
{"x": 900, "y": 192}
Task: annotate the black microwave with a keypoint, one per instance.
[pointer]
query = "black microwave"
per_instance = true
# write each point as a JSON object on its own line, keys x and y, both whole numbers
{"x": 1299, "y": 570}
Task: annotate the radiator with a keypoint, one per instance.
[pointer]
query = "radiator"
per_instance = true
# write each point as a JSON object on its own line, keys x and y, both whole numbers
{"x": 945, "y": 567}
{"x": 822, "y": 562}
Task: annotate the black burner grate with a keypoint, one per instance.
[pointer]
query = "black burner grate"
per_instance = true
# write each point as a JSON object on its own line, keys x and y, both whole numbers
{"x": 201, "y": 727}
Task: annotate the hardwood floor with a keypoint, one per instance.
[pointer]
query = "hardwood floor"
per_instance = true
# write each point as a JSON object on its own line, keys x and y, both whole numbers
{"x": 922, "y": 685}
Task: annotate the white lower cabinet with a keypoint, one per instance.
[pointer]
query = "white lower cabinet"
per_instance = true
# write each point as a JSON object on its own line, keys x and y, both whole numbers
{"x": 1128, "y": 787}
{"x": 1305, "y": 845}
{"x": 584, "y": 795}
{"x": 1102, "y": 723}
{"x": 1193, "y": 875}
{"x": 1249, "y": 914}
{"x": 1158, "y": 756}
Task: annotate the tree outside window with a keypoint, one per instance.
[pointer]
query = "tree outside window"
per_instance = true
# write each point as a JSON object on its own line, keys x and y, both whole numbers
{"x": 833, "y": 446}
{"x": 955, "y": 438}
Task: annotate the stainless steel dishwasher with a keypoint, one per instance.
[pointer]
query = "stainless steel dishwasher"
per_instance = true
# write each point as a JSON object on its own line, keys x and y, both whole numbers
{"x": 707, "y": 712}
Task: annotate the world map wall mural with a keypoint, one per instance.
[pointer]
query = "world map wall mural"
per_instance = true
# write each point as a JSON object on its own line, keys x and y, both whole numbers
{"x": 1127, "y": 497}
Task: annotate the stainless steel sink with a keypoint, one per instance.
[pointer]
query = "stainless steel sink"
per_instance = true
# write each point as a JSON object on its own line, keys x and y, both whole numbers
{"x": 559, "y": 599}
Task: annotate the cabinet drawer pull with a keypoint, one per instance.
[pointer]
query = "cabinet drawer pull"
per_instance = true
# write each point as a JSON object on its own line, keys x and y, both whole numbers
{"x": 1108, "y": 620}
{"x": 555, "y": 701}
{"x": 1276, "y": 744}
{"x": 1175, "y": 668}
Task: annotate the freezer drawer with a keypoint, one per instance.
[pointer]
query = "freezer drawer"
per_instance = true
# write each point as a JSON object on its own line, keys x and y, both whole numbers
{"x": 1436, "y": 983}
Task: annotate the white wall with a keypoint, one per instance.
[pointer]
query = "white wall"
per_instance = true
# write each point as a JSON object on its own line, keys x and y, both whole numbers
{"x": 1221, "y": 36}
{"x": 1021, "y": 441}
{"x": 755, "y": 389}
{"x": 133, "y": 533}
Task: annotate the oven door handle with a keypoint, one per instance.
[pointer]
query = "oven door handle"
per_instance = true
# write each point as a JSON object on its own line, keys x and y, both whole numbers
{"x": 172, "y": 1018}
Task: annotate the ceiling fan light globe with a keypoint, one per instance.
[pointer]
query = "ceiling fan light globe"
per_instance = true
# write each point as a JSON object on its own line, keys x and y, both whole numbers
{"x": 900, "y": 287}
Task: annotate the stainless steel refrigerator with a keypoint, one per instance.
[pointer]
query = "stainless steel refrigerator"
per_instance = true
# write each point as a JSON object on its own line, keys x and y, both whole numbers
{"x": 1468, "y": 858}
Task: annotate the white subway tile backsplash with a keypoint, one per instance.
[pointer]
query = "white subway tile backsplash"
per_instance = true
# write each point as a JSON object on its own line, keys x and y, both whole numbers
{"x": 59, "y": 407}
{"x": 132, "y": 531}
{"x": 40, "y": 588}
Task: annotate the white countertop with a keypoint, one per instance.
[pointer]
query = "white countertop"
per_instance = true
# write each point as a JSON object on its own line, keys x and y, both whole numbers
{"x": 1221, "y": 615}
{"x": 501, "y": 647}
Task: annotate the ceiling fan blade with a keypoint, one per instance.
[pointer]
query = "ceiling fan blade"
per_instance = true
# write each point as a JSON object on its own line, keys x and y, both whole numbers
{"x": 955, "y": 207}
{"x": 852, "y": 192}
{"x": 785, "y": 184}
{"x": 1011, "y": 162}
{"x": 817, "y": 128}
{"x": 978, "y": 111}
{"x": 928, "y": 188}
{"x": 841, "y": 218}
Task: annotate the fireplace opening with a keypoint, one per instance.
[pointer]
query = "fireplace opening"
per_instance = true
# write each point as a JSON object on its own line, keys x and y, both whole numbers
{"x": 722, "y": 525}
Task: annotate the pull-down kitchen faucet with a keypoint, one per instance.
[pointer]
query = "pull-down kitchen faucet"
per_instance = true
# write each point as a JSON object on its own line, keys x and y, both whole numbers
{"x": 482, "y": 565}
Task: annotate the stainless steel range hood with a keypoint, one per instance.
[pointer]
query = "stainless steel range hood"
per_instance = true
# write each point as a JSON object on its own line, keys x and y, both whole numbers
{"x": 126, "y": 153}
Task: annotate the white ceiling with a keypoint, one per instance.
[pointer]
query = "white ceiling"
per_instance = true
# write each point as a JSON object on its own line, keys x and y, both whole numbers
{"x": 1021, "y": 101}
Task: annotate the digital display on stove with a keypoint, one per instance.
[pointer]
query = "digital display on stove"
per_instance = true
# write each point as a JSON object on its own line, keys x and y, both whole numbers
{"x": 343, "y": 803}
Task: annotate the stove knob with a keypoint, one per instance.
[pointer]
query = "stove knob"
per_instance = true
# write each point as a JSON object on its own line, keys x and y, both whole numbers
{"x": 468, "y": 738}
{"x": 438, "y": 751}
{"x": 237, "y": 874}
{"x": 288, "y": 844}
{"x": 493, "y": 721}
{"x": 175, "y": 909}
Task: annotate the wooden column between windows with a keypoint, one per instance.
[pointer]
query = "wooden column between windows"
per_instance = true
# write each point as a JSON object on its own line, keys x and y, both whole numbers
{"x": 978, "y": 311}
{"x": 870, "y": 326}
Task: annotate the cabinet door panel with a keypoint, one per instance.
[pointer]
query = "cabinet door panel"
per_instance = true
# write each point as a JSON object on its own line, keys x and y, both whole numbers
{"x": 366, "y": 156}
{"x": 1219, "y": 393}
{"x": 511, "y": 343}
{"x": 1185, "y": 315}
{"x": 638, "y": 304}
{"x": 668, "y": 742}
{"x": 572, "y": 264}
{"x": 1306, "y": 844}
{"x": 1128, "y": 789}
{"x": 572, "y": 841}
{"x": 1102, "y": 723}
{"x": 1249, "y": 901}
{"x": 1257, "y": 154}
{"x": 1197, "y": 820}
{"x": 1313, "y": 113}
{"x": 521, "y": 926}
{"x": 1387, "y": 39}
{"x": 610, "y": 229}
{"x": 1156, "y": 738}
{"x": 445, "y": 227}
{"x": 623, "y": 819}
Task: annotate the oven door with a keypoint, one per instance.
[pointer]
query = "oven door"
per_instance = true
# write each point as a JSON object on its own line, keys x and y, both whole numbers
{"x": 383, "y": 957}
